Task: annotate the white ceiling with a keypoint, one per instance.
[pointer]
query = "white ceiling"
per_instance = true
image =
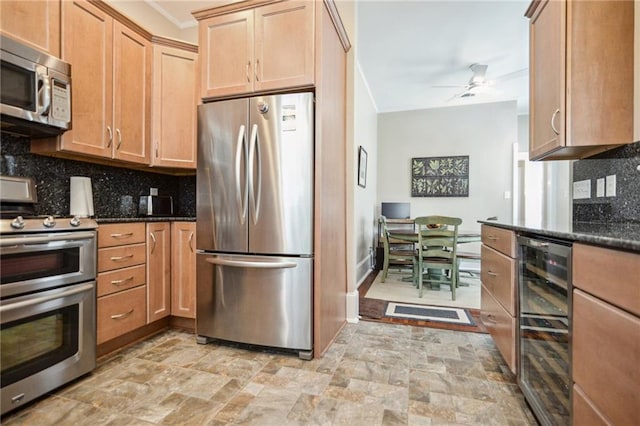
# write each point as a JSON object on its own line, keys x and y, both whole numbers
{"x": 405, "y": 47}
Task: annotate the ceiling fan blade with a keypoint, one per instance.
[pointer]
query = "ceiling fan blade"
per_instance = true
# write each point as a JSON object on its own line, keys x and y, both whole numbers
{"x": 451, "y": 85}
{"x": 511, "y": 75}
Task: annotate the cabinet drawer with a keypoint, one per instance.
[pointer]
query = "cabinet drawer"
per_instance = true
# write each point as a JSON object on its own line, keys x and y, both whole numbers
{"x": 117, "y": 234}
{"x": 121, "y": 257}
{"x": 498, "y": 273}
{"x": 121, "y": 279}
{"x": 608, "y": 274}
{"x": 584, "y": 413}
{"x": 121, "y": 312}
{"x": 502, "y": 240}
{"x": 606, "y": 350}
{"x": 500, "y": 325}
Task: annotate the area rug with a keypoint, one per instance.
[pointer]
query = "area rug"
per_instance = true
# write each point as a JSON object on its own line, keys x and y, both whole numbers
{"x": 394, "y": 289}
{"x": 429, "y": 313}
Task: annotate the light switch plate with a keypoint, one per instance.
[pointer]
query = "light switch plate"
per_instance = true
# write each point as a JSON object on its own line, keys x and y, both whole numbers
{"x": 582, "y": 189}
{"x": 611, "y": 186}
{"x": 600, "y": 187}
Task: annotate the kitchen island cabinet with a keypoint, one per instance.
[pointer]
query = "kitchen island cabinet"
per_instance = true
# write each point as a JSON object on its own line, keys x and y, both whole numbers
{"x": 580, "y": 101}
{"x": 254, "y": 50}
{"x": 499, "y": 289}
{"x": 35, "y": 23}
{"x": 606, "y": 315}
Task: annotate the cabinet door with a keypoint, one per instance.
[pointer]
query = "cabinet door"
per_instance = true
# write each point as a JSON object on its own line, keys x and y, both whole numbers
{"x": 132, "y": 95}
{"x": 284, "y": 45}
{"x": 547, "y": 39}
{"x": 183, "y": 269}
{"x": 158, "y": 271}
{"x": 174, "y": 103}
{"x": 87, "y": 34}
{"x": 36, "y": 23}
{"x": 226, "y": 49}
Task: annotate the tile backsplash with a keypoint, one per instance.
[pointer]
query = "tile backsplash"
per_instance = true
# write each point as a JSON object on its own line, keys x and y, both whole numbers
{"x": 624, "y": 164}
{"x": 115, "y": 190}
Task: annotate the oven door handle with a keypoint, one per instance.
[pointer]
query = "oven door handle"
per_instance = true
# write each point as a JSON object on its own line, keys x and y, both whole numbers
{"x": 33, "y": 240}
{"x": 43, "y": 299}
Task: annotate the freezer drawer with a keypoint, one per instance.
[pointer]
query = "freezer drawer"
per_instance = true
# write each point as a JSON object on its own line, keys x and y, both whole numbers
{"x": 257, "y": 300}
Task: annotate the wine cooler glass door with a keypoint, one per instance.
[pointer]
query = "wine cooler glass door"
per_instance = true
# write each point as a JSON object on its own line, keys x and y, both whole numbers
{"x": 544, "y": 327}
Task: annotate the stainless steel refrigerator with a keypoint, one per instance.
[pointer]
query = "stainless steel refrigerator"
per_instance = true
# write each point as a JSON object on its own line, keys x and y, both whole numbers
{"x": 255, "y": 221}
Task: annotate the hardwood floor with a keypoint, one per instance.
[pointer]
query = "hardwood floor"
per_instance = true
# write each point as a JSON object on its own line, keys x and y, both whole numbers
{"x": 373, "y": 310}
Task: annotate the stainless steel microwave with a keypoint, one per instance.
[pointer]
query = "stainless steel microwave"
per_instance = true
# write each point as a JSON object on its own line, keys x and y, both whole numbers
{"x": 35, "y": 93}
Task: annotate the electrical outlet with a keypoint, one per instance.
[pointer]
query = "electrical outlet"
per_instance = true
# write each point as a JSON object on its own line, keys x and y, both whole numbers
{"x": 611, "y": 186}
{"x": 582, "y": 190}
{"x": 153, "y": 191}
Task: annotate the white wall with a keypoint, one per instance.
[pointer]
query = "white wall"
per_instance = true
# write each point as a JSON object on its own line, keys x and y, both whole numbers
{"x": 364, "y": 212}
{"x": 484, "y": 132}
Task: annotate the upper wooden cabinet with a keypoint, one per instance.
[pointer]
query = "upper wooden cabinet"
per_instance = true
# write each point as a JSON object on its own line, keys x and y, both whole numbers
{"x": 174, "y": 107}
{"x": 111, "y": 86}
{"x": 581, "y": 72}
{"x": 256, "y": 50}
{"x": 36, "y": 23}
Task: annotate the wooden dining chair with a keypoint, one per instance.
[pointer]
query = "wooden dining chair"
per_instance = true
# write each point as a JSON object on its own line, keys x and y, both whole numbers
{"x": 436, "y": 259}
{"x": 404, "y": 257}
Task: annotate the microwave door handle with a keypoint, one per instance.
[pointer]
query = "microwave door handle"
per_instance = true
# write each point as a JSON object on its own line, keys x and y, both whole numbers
{"x": 241, "y": 200}
{"x": 44, "y": 95}
{"x": 254, "y": 155}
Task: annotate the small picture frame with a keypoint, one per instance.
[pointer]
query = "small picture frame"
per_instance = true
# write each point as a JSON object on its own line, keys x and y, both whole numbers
{"x": 362, "y": 167}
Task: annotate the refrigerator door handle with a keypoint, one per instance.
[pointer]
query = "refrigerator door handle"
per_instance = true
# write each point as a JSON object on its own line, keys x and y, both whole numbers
{"x": 241, "y": 201}
{"x": 255, "y": 195}
{"x": 248, "y": 264}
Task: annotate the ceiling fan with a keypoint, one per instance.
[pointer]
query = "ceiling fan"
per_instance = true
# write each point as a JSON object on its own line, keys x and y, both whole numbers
{"x": 478, "y": 83}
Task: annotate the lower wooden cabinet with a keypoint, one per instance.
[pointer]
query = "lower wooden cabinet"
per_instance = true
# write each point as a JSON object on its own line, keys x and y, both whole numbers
{"x": 146, "y": 272}
{"x": 183, "y": 269}
{"x": 121, "y": 312}
{"x": 501, "y": 325}
{"x": 499, "y": 289}
{"x": 158, "y": 270}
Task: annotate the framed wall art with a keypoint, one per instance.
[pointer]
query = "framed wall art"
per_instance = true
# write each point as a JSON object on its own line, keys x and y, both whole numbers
{"x": 362, "y": 167}
{"x": 440, "y": 176}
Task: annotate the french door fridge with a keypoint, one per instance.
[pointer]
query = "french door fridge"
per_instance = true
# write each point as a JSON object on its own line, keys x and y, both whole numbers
{"x": 255, "y": 221}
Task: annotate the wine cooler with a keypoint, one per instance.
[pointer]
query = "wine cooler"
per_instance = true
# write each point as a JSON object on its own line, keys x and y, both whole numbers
{"x": 544, "y": 328}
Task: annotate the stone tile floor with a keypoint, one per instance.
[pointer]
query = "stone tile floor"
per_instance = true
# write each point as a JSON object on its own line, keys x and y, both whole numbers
{"x": 374, "y": 374}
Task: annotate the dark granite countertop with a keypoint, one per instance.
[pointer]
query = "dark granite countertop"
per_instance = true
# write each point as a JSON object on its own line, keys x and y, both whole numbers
{"x": 144, "y": 219}
{"x": 622, "y": 236}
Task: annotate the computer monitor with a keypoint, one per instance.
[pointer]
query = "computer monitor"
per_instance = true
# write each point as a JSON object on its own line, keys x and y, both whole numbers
{"x": 396, "y": 210}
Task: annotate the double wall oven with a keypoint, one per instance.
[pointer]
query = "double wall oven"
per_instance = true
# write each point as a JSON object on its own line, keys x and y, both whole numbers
{"x": 47, "y": 298}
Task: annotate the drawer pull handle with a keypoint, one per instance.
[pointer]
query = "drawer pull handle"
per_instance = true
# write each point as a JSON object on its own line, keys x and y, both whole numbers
{"x": 490, "y": 319}
{"x": 191, "y": 242}
{"x": 493, "y": 274}
{"x": 121, "y": 282}
{"x": 126, "y": 235}
{"x": 120, "y": 316}
{"x": 121, "y": 258}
